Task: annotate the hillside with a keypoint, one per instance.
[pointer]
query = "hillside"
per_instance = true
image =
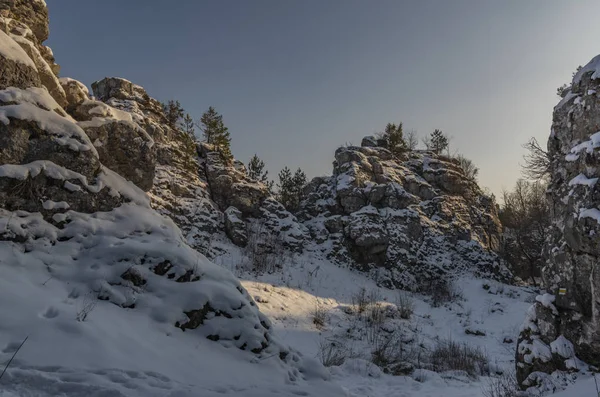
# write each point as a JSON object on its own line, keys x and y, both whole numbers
{"x": 137, "y": 260}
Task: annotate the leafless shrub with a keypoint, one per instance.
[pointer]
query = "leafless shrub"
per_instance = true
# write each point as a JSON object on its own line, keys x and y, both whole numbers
{"x": 504, "y": 385}
{"x": 319, "y": 315}
{"x": 86, "y": 306}
{"x": 442, "y": 291}
{"x": 449, "y": 355}
{"x": 264, "y": 250}
{"x": 363, "y": 299}
{"x": 332, "y": 353}
{"x": 537, "y": 161}
{"x": 405, "y": 305}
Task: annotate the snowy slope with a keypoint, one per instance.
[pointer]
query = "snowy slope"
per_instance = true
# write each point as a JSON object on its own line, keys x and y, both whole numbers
{"x": 307, "y": 285}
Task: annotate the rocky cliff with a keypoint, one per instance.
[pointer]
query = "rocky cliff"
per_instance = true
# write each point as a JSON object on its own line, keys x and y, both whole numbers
{"x": 74, "y": 170}
{"x": 410, "y": 221}
{"x": 563, "y": 326}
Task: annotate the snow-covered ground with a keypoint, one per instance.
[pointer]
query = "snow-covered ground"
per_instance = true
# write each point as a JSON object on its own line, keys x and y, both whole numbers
{"x": 491, "y": 313}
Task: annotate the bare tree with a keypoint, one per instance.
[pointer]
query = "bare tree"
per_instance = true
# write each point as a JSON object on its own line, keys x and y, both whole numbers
{"x": 412, "y": 140}
{"x": 525, "y": 215}
{"x": 468, "y": 167}
{"x": 537, "y": 161}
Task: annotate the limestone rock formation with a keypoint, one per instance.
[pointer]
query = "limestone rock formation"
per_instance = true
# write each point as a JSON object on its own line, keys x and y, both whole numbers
{"x": 69, "y": 217}
{"x": 409, "y": 220}
{"x": 573, "y": 249}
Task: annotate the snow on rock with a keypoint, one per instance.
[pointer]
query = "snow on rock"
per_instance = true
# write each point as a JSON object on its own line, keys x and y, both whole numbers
{"x": 9, "y": 49}
{"x": 113, "y": 298}
{"x": 572, "y": 250}
{"x": 407, "y": 220}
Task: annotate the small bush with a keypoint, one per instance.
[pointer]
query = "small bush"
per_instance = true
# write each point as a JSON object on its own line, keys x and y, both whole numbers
{"x": 332, "y": 353}
{"x": 449, "y": 355}
{"x": 319, "y": 315}
{"x": 265, "y": 250}
{"x": 363, "y": 299}
{"x": 444, "y": 291}
{"x": 405, "y": 305}
{"x": 504, "y": 385}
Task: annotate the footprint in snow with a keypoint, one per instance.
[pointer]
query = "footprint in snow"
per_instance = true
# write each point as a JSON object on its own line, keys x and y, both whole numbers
{"x": 51, "y": 312}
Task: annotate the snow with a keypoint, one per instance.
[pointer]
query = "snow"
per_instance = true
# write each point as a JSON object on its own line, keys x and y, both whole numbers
{"x": 547, "y": 300}
{"x": 564, "y": 100}
{"x": 53, "y": 205}
{"x": 563, "y": 347}
{"x": 65, "y": 132}
{"x": 137, "y": 351}
{"x": 592, "y": 66}
{"x": 588, "y": 145}
{"x": 583, "y": 180}
{"x": 33, "y": 95}
{"x": 9, "y": 49}
{"x": 593, "y": 213}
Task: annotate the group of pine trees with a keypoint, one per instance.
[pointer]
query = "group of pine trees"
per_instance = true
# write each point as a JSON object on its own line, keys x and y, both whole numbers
{"x": 394, "y": 139}
{"x": 290, "y": 186}
{"x": 211, "y": 124}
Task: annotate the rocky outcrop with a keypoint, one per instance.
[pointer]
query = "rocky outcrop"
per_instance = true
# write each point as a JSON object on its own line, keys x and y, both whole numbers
{"x": 26, "y": 23}
{"x": 573, "y": 248}
{"x": 408, "y": 219}
{"x": 235, "y": 227}
{"x": 67, "y": 211}
{"x": 122, "y": 144}
{"x": 75, "y": 91}
{"x": 230, "y": 185}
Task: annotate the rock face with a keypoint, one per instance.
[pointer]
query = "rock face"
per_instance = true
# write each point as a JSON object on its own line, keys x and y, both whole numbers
{"x": 573, "y": 249}
{"x": 68, "y": 211}
{"x": 122, "y": 144}
{"x": 409, "y": 220}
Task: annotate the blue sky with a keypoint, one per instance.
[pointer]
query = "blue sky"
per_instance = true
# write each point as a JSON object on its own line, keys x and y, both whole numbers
{"x": 296, "y": 79}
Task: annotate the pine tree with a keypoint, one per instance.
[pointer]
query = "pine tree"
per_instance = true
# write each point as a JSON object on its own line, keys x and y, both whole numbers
{"x": 394, "y": 139}
{"x": 173, "y": 112}
{"x": 256, "y": 171}
{"x": 285, "y": 187}
{"x": 215, "y": 133}
{"x": 298, "y": 182}
{"x": 291, "y": 188}
{"x": 188, "y": 124}
{"x": 438, "y": 142}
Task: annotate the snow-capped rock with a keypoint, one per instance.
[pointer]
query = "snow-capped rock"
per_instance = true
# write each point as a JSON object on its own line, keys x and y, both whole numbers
{"x": 410, "y": 219}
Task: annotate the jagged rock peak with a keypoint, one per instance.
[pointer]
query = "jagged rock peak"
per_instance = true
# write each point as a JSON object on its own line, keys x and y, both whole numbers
{"x": 573, "y": 249}
{"x": 410, "y": 219}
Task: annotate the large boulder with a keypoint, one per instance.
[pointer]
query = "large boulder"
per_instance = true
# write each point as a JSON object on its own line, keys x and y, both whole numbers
{"x": 573, "y": 249}
{"x": 18, "y": 70}
{"x": 123, "y": 146}
{"x": 40, "y": 55}
{"x": 32, "y": 13}
{"x": 75, "y": 91}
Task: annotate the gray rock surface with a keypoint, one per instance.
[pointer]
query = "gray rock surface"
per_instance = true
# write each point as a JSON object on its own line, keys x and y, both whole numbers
{"x": 573, "y": 249}
{"x": 408, "y": 220}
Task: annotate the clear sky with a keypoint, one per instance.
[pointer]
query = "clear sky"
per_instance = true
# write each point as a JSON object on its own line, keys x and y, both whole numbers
{"x": 296, "y": 79}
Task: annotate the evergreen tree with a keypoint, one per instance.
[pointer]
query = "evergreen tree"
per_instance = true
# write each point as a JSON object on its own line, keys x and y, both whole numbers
{"x": 394, "y": 139}
{"x": 285, "y": 187}
{"x": 438, "y": 142}
{"x": 291, "y": 188}
{"x": 173, "y": 112}
{"x": 188, "y": 124}
{"x": 299, "y": 182}
{"x": 215, "y": 133}
{"x": 257, "y": 172}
